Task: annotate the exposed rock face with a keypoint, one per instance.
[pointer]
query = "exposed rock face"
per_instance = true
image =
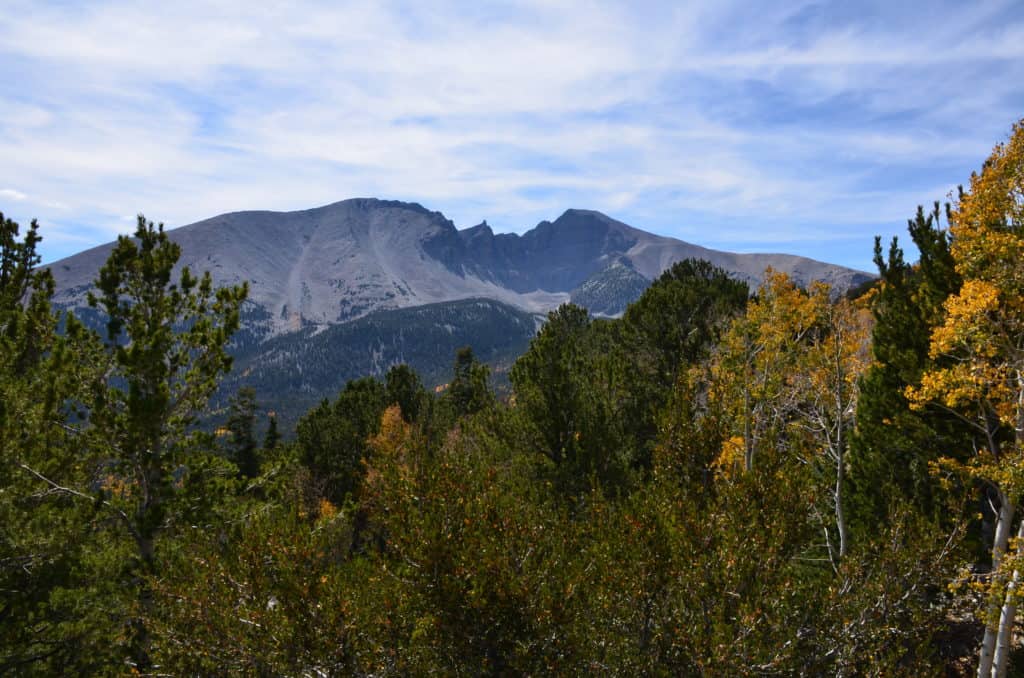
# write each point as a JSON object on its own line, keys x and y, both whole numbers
{"x": 339, "y": 262}
{"x": 350, "y": 289}
{"x": 610, "y": 290}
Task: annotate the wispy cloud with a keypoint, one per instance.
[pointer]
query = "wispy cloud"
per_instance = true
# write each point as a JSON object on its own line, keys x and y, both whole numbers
{"x": 12, "y": 194}
{"x": 808, "y": 127}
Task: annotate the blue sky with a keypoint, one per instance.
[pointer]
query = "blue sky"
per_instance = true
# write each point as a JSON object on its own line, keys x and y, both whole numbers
{"x": 804, "y": 128}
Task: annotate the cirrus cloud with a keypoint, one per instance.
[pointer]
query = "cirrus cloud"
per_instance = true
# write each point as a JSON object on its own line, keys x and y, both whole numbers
{"x": 807, "y": 128}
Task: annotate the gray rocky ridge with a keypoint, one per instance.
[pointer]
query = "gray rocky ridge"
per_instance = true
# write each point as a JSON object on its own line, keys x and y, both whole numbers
{"x": 336, "y": 263}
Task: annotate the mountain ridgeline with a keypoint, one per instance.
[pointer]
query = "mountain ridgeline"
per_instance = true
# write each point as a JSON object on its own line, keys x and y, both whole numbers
{"x": 368, "y": 283}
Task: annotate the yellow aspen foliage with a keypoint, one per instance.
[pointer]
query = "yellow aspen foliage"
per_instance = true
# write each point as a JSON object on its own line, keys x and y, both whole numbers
{"x": 980, "y": 352}
{"x": 983, "y": 333}
{"x": 326, "y": 510}
{"x": 758, "y": 356}
{"x": 729, "y": 462}
{"x": 987, "y": 242}
{"x": 786, "y": 377}
{"x": 391, "y": 448}
{"x": 393, "y": 436}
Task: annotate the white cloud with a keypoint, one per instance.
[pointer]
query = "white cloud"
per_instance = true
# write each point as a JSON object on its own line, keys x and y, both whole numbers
{"x": 723, "y": 112}
{"x": 12, "y": 194}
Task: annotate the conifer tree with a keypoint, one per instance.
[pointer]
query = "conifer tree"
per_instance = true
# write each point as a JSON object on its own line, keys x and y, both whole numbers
{"x": 469, "y": 392}
{"x": 332, "y": 437}
{"x": 39, "y": 542}
{"x": 242, "y": 449}
{"x": 273, "y": 436}
{"x": 405, "y": 389}
{"x": 550, "y": 382}
{"x": 680, "y": 316}
{"x": 893, "y": 444}
{"x": 165, "y": 348}
{"x": 59, "y": 582}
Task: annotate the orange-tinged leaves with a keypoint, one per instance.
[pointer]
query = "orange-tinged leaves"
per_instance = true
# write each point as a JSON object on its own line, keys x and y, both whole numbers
{"x": 980, "y": 345}
{"x": 969, "y": 320}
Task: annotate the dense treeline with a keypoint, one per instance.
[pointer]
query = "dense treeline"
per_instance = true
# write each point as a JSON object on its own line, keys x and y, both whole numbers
{"x": 724, "y": 481}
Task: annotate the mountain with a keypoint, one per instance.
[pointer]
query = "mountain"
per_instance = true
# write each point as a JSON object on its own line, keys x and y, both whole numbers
{"x": 349, "y": 289}
{"x": 339, "y": 262}
{"x": 610, "y": 290}
{"x": 292, "y": 372}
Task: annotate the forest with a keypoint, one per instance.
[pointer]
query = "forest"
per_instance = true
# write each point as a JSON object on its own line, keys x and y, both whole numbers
{"x": 723, "y": 482}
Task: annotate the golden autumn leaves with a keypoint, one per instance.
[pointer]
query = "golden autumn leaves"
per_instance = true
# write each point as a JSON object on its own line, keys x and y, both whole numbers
{"x": 981, "y": 342}
{"x": 793, "y": 356}
{"x": 979, "y": 353}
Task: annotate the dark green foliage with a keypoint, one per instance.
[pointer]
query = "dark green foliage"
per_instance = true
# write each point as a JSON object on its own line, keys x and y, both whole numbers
{"x": 567, "y": 386}
{"x": 332, "y": 439}
{"x": 273, "y": 437}
{"x": 405, "y": 389}
{"x": 241, "y": 443}
{"x": 672, "y": 326}
{"x": 294, "y": 372}
{"x": 164, "y": 354}
{"x": 550, "y": 382}
{"x": 469, "y": 391}
{"x": 893, "y": 445}
{"x": 56, "y": 586}
{"x": 679, "y": 317}
{"x": 26, "y": 320}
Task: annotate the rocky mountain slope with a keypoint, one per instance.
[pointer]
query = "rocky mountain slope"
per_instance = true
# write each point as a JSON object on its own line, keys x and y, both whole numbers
{"x": 292, "y": 372}
{"x": 350, "y": 289}
{"x": 339, "y": 262}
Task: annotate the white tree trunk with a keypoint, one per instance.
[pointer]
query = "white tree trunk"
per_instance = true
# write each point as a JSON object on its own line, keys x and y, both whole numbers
{"x": 988, "y": 643}
{"x": 1004, "y": 639}
{"x": 748, "y": 431}
{"x": 840, "y": 514}
{"x": 840, "y": 454}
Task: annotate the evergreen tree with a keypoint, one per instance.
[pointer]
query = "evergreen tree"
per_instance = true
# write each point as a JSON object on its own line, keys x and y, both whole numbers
{"x": 57, "y": 585}
{"x": 673, "y": 325}
{"x": 893, "y": 444}
{"x": 679, "y": 317}
{"x": 468, "y": 392}
{"x": 332, "y": 438}
{"x": 570, "y": 389}
{"x": 165, "y": 349}
{"x": 550, "y": 382}
{"x": 242, "y": 448}
{"x": 405, "y": 389}
{"x": 273, "y": 437}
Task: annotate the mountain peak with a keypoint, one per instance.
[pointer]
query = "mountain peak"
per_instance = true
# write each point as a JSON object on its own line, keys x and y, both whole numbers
{"x": 341, "y": 261}
{"x": 576, "y": 213}
{"x": 482, "y": 229}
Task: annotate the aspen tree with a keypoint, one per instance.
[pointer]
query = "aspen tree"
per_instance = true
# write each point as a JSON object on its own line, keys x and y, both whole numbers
{"x": 983, "y": 338}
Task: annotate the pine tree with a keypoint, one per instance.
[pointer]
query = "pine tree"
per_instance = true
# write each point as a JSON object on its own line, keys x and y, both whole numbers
{"x": 58, "y": 582}
{"x": 332, "y": 438}
{"x": 551, "y": 383}
{"x": 242, "y": 449}
{"x": 405, "y": 389}
{"x": 273, "y": 437}
{"x": 166, "y": 347}
{"x": 893, "y": 444}
{"x": 469, "y": 391}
